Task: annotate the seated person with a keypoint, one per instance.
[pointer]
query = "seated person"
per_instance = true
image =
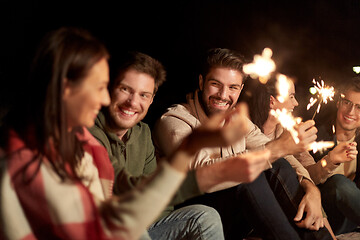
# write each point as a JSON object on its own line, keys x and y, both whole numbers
{"x": 264, "y": 98}
{"x": 56, "y": 179}
{"x": 336, "y": 171}
{"x": 219, "y": 172}
{"x": 134, "y": 82}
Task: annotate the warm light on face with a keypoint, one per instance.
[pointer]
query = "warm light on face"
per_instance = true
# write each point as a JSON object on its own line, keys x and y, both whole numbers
{"x": 283, "y": 86}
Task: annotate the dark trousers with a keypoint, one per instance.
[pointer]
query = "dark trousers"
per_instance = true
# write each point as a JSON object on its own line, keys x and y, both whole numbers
{"x": 267, "y": 205}
{"x": 341, "y": 200}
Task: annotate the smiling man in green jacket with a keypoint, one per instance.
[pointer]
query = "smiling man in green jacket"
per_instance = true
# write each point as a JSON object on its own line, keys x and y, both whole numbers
{"x": 134, "y": 81}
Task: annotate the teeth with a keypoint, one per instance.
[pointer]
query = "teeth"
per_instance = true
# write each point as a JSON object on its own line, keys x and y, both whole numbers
{"x": 128, "y": 112}
{"x": 347, "y": 118}
{"x": 220, "y": 103}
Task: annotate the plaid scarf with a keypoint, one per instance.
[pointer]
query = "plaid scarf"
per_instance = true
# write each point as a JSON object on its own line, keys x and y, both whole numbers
{"x": 46, "y": 207}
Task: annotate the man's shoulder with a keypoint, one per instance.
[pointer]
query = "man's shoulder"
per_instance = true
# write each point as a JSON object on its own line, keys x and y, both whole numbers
{"x": 179, "y": 112}
{"x": 99, "y": 134}
{"x": 141, "y": 129}
{"x": 177, "y": 109}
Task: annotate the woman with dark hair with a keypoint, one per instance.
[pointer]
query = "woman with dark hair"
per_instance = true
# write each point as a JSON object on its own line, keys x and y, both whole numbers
{"x": 265, "y": 98}
{"x": 56, "y": 179}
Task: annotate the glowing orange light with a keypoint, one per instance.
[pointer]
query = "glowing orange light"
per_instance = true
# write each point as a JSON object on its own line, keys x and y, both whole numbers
{"x": 261, "y": 67}
{"x": 287, "y": 121}
{"x": 320, "y": 146}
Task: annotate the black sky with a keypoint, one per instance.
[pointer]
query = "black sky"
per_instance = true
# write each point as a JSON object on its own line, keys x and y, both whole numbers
{"x": 310, "y": 39}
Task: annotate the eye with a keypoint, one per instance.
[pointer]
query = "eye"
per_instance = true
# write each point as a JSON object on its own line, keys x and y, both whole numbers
{"x": 146, "y": 95}
{"x": 347, "y": 102}
{"x": 215, "y": 84}
{"x": 123, "y": 89}
{"x": 235, "y": 88}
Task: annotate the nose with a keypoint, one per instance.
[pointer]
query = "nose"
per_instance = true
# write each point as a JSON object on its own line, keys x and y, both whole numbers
{"x": 133, "y": 99}
{"x": 105, "y": 99}
{"x": 223, "y": 93}
{"x": 296, "y": 103}
{"x": 351, "y": 109}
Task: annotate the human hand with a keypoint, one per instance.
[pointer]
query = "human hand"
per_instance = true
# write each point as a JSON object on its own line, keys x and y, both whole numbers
{"x": 247, "y": 167}
{"x": 306, "y": 135}
{"x": 343, "y": 152}
{"x": 221, "y": 129}
{"x": 309, "y": 214}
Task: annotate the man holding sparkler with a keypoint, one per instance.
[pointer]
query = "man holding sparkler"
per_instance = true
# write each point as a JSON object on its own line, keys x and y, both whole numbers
{"x": 218, "y": 172}
{"x": 337, "y": 171}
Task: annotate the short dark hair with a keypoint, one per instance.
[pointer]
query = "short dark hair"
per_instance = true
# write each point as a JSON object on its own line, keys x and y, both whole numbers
{"x": 350, "y": 84}
{"x": 222, "y": 57}
{"x": 138, "y": 61}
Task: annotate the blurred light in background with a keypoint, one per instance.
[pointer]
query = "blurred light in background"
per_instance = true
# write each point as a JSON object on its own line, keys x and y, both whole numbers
{"x": 356, "y": 69}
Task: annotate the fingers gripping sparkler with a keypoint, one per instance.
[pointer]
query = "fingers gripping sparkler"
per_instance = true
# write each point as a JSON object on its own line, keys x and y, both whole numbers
{"x": 287, "y": 121}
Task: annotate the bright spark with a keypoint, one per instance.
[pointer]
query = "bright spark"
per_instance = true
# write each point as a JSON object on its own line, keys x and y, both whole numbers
{"x": 323, "y": 163}
{"x": 321, "y": 146}
{"x": 325, "y": 93}
{"x": 287, "y": 120}
{"x": 261, "y": 67}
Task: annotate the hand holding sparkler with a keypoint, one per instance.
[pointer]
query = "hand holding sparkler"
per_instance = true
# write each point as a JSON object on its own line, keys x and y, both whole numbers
{"x": 306, "y": 135}
{"x": 324, "y": 93}
{"x": 343, "y": 152}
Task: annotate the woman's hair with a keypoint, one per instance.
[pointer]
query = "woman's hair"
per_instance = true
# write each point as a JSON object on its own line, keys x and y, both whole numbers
{"x": 40, "y": 118}
{"x": 259, "y": 102}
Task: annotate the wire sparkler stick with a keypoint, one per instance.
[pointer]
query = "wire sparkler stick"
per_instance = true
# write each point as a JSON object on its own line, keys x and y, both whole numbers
{"x": 325, "y": 93}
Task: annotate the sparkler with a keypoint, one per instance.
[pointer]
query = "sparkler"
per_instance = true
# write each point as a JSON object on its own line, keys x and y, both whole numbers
{"x": 325, "y": 93}
{"x": 261, "y": 67}
{"x": 321, "y": 146}
{"x": 287, "y": 120}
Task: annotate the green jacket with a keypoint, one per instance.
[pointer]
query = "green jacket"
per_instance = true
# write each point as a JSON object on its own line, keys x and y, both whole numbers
{"x": 131, "y": 160}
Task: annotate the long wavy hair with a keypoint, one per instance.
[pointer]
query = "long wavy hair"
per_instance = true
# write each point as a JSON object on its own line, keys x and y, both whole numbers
{"x": 259, "y": 102}
{"x": 40, "y": 117}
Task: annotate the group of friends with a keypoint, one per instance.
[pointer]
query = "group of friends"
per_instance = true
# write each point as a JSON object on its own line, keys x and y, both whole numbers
{"x": 77, "y": 162}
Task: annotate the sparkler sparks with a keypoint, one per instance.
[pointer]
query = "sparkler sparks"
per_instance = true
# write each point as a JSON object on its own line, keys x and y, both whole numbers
{"x": 261, "y": 67}
{"x": 320, "y": 146}
{"x": 323, "y": 163}
{"x": 287, "y": 120}
{"x": 325, "y": 93}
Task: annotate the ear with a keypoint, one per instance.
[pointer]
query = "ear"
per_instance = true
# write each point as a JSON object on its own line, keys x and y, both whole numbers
{"x": 272, "y": 102}
{"x": 67, "y": 89}
{"x": 241, "y": 88}
{"x": 152, "y": 99}
{"x": 201, "y": 82}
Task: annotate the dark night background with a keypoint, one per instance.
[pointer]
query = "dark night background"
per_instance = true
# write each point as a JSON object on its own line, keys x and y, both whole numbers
{"x": 309, "y": 39}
